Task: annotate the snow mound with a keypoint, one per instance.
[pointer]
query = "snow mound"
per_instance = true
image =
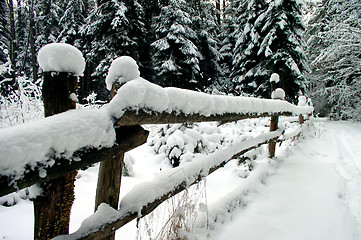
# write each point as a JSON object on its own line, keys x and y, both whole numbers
{"x": 278, "y": 93}
{"x": 141, "y": 94}
{"x": 61, "y": 57}
{"x": 25, "y": 146}
{"x": 302, "y": 101}
{"x": 122, "y": 69}
{"x": 275, "y": 78}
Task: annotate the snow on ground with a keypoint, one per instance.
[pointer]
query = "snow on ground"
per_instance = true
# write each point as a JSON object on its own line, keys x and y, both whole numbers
{"x": 312, "y": 190}
{"x": 313, "y": 194}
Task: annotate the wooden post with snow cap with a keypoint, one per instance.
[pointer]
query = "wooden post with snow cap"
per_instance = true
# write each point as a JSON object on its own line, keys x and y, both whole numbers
{"x": 302, "y": 103}
{"x": 275, "y": 94}
{"x": 61, "y": 64}
{"x": 122, "y": 69}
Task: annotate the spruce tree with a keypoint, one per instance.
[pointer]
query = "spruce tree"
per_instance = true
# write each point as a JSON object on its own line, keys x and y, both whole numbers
{"x": 47, "y": 18}
{"x": 4, "y": 34}
{"x": 151, "y": 9}
{"x": 227, "y": 38}
{"x": 71, "y": 22}
{"x": 282, "y": 46}
{"x": 176, "y": 57}
{"x": 206, "y": 28}
{"x": 4, "y": 60}
{"x": 112, "y": 29}
{"x": 248, "y": 73}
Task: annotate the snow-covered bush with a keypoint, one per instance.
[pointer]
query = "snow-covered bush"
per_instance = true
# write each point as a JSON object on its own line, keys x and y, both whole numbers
{"x": 180, "y": 143}
{"x": 22, "y": 105}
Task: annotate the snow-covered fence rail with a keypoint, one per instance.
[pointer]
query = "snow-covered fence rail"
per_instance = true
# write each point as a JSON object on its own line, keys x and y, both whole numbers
{"x": 38, "y": 151}
{"x": 94, "y": 138}
{"x": 70, "y": 140}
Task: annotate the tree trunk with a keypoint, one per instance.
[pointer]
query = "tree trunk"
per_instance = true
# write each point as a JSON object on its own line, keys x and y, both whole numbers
{"x": 32, "y": 43}
{"x": 12, "y": 44}
{"x": 52, "y": 208}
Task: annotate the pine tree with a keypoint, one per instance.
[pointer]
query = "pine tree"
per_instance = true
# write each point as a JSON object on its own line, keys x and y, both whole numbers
{"x": 248, "y": 73}
{"x": 227, "y": 38}
{"x": 23, "y": 62}
{"x": 206, "y": 27}
{"x": 47, "y": 18}
{"x": 282, "y": 46}
{"x": 334, "y": 52}
{"x": 4, "y": 34}
{"x": 112, "y": 29}
{"x": 4, "y": 59}
{"x": 151, "y": 9}
{"x": 71, "y": 22}
{"x": 176, "y": 57}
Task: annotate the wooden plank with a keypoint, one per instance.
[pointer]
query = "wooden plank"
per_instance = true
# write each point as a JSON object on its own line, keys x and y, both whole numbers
{"x": 142, "y": 117}
{"x": 127, "y": 138}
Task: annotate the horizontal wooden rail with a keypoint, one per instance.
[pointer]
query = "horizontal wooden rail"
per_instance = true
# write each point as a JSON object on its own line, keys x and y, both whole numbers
{"x": 141, "y": 117}
{"x": 127, "y": 138}
{"x": 199, "y": 169}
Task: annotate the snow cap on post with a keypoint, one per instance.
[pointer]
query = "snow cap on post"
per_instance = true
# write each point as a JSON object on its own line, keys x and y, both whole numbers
{"x": 275, "y": 78}
{"x": 122, "y": 69}
{"x": 278, "y": 93}
{"x": 302, "y": 101}
{"x": 61, "y": 57}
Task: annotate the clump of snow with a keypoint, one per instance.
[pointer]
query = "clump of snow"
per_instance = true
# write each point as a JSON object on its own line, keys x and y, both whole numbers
{"x": 302, "y": 101}
{"x": 141, "y": 94}
{"x": 136, "y": 94}
{"x": 122, "y": 69}
{"x": 275, "y": 78}
{"x": 73, "y": 97}
{"x": 278, "y": 93}
{"x": 58, "y": 136}
{"x": 61, "y": 57}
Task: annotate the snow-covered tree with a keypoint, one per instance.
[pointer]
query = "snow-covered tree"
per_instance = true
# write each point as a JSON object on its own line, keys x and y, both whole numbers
{"x": 282, "y": 46}
{"x": 47, "y": 18}
{"x": 71, "y": 22}
{"x": 3, "y": 33}
{"x": 227, "y": 42}
{"x": 151, "y": 9}
{"x": 248, "y": 70}
{"x": 112, "y": 29}
{"x": 206, "y": 28}
{"x": 334, "y": 53}
{"x": 176, "y": 57}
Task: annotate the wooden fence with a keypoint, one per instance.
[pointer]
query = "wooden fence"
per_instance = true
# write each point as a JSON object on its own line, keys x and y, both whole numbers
{"x": 129, "y": 134}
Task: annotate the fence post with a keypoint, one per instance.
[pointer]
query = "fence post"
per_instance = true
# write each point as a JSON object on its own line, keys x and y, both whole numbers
{"x": 109, "y": 177}
{"x": 275, "y": 94}
{"x": 52, "y": 208}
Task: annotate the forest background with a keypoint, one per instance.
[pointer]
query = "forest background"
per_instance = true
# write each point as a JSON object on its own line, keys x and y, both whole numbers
{"x": 220, "y": 47}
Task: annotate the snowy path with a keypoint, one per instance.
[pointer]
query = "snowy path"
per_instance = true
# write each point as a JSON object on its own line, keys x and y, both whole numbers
{"x": 314, "y": 194}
